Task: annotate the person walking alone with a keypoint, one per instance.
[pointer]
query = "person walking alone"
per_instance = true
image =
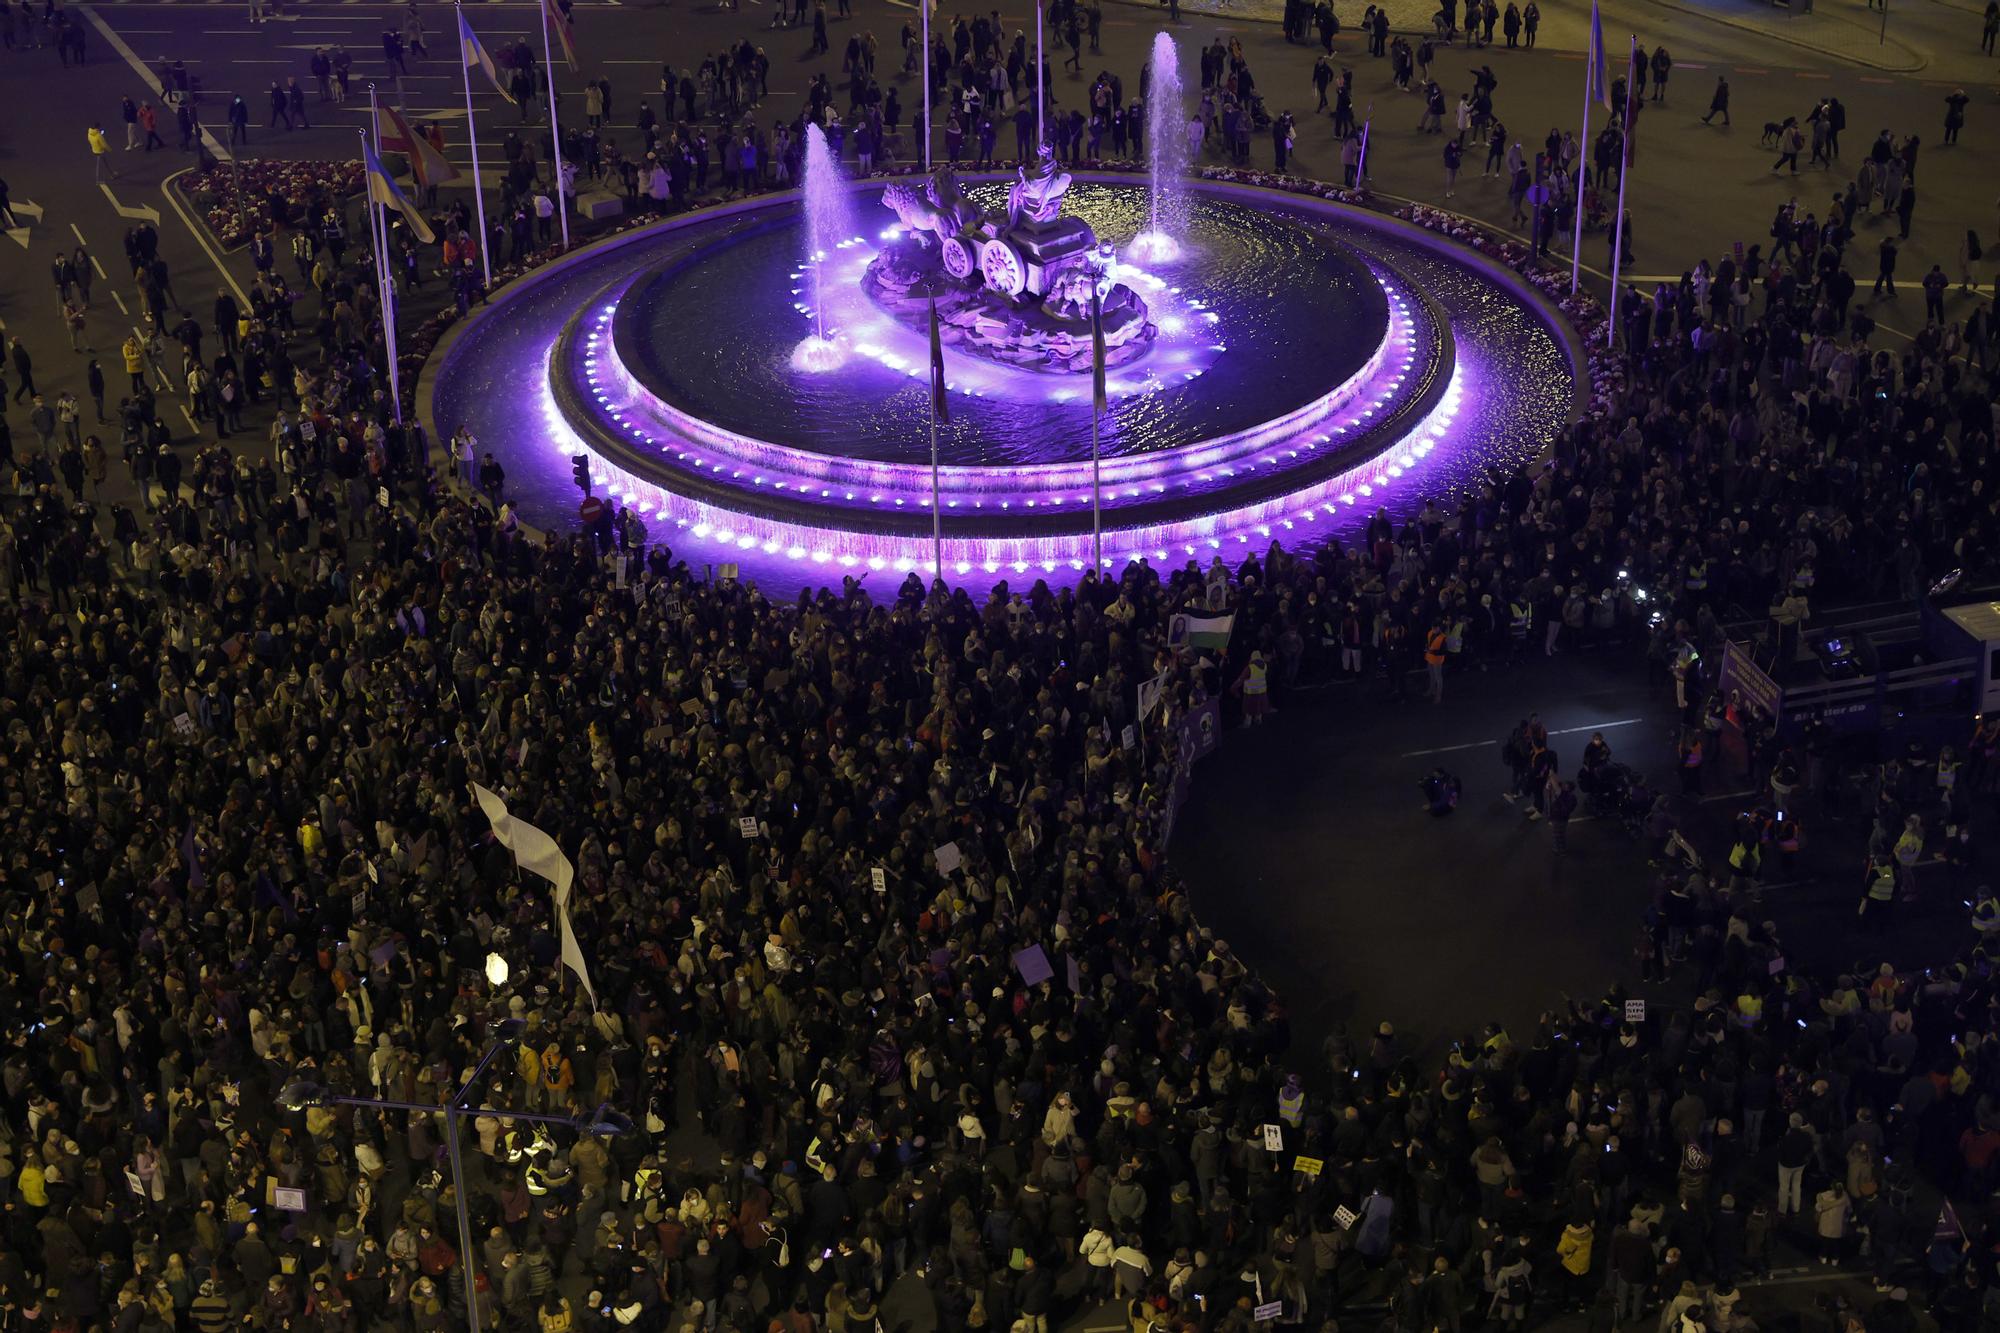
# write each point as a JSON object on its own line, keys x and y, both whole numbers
{"x": 1718, "y": 103}
{"x": 100, "y": 154}
{"x": 1954, "y": 114}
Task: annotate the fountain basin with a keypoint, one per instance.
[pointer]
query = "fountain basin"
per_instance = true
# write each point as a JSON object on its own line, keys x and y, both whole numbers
{"x": 1487, "y": 373}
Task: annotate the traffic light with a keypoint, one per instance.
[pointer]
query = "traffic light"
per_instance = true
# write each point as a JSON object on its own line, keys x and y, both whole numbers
{"x": 579, "y": 468}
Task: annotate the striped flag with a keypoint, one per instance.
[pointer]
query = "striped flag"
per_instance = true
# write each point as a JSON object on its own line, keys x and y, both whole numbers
{"x": 476, "y": 57}
{"x": 382, "y": 190}
{"x": 1597, "y": 88}
{"x": 559, "y": 24}
{"x": 1097, "y": 396}
{"x": 939, "y": 403}
{"x": 427, "y": 165}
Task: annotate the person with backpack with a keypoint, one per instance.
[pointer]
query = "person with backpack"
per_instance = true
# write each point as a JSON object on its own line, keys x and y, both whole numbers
{"x": 1513, "y": 1290}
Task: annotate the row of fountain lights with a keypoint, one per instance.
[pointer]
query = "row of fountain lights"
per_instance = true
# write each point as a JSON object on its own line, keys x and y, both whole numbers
{"x": 1387, "y": 470}
{"x": 1398, "y": 337}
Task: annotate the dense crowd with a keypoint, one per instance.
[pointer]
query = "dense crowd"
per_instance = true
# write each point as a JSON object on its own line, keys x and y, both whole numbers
{"x": 245, "y": 697}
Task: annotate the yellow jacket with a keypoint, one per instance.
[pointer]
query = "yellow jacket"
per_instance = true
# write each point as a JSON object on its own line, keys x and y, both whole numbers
{"x": 98, "y": 144}
{"x": 1574, "y": 1248}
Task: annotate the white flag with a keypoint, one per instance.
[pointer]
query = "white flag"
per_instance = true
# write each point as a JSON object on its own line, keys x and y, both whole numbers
{"x": 534, "y": 851}
{"x": 572, "y": 955}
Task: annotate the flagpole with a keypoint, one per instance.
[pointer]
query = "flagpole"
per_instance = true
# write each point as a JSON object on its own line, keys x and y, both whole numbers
{"x": 379, "y": 228}
{"x": 1096, "y": 486}
{"x": 1041, "y": 59}
{"x": 1096, "y": 412}
{"x": 1624, "y": 173}
{"x": 937, "y": 506}
{"x": 1593, "y": 89}
{"x": 1583, "y": 149}
{"x": 924, "y": 7}
{"x": 472, "y": 137}
{"x": 1361, "y": 161}
{"x": 555, "y": 130}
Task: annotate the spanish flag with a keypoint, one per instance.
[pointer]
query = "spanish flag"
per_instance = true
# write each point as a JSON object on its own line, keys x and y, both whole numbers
{"x": 476, "y": 57}
{"x": 427, "y": 165}
{"x": 559, "y": 23}
{"x": 382, "y": 190}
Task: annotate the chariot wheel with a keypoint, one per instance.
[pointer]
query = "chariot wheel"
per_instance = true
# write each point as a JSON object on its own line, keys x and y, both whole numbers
{"x": 1003, "y": 268}
{"x": 958, "y": 258}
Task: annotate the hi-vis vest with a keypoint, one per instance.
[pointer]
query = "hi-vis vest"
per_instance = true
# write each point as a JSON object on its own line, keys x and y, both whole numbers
{"x": 1882, "y": 888}
{"x": 1697, "y": 576}
{"x": 1255, "y": 682}
{"x": 1434, "y": 647}
{"x": 1292, "y": 1107}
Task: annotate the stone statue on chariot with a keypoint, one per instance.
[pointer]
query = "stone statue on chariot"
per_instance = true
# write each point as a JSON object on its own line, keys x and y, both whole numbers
{"x": 1014, "y": 288}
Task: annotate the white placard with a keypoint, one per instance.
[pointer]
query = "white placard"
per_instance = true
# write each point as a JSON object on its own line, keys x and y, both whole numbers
{"x": 747, "y": 826}
{"x": 1635, "y": 1011}
{"x": 1274, "y": 1138}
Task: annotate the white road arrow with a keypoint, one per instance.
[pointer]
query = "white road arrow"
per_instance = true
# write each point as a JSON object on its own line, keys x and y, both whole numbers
{"x": 27, "y": 210}
{"x": 148, "y": 214}
{"x": 19, "y": 236}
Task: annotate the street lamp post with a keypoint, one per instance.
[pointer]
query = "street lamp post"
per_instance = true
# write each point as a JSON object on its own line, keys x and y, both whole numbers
{"x": 604, "y": 1120}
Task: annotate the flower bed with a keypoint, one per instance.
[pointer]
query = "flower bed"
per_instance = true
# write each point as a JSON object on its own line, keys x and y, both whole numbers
{"x": 235, "y": 209}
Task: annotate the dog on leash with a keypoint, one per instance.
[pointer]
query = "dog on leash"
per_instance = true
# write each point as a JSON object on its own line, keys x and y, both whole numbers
{"x": 1772, "y": 131}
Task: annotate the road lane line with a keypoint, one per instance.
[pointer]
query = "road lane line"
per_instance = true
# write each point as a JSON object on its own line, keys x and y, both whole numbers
{"x": 201, "y": 235}
{"x": 146, "y": 76}
{"x": 1565, "y": 731}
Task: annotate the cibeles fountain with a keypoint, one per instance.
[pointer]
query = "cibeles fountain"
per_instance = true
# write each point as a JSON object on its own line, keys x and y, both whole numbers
{"x": 1015, "y": 288}
{"x": 754, "y": 378}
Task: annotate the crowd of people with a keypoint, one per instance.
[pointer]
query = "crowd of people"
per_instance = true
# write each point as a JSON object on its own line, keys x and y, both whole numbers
{"x": 912, "y": 1021}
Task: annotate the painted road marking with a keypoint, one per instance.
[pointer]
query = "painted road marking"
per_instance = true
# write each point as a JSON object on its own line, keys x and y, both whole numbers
{"x": 1566, "y": 731}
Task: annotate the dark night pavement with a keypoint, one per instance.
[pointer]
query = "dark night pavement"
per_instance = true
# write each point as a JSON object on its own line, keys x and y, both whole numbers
{"x": 1307, "y": 845}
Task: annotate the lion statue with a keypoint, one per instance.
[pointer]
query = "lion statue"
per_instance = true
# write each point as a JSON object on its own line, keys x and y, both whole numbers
{"x": 935, "y": 206}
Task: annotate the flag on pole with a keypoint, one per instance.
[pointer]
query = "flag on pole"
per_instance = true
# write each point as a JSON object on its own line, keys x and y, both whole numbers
{"x": 428, "y": 166}
{"x": 939, "y": 403}
{"x": 534, "y": 850}
{"x": 475, "y": 56}
{"x": 382, "y": 190}
{"x": 1599, "y": 89}
{"x": 1097, "y": 396}
{"x": 572, "y": 955}
{"x": 559, "y": 24}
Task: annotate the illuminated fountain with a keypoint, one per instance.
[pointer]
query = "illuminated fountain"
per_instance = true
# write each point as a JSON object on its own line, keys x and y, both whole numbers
{"x": 827, "y": 224}
{"x": 1317, "y": 362}
{"x": 1167, "y": 156}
